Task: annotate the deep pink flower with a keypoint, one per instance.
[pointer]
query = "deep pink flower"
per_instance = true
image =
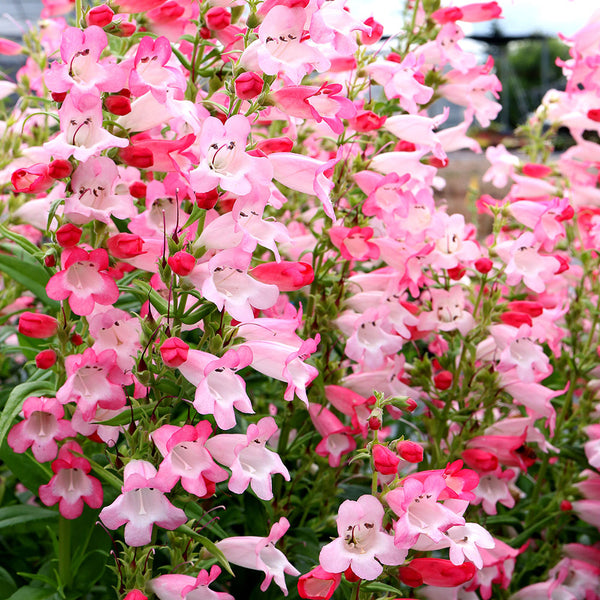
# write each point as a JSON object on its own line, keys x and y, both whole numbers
{"x": 178, "y": 587}
{"x": 37, "y": 325}
{"x": 318, "y": 584}
{"x": 438, "y": 572}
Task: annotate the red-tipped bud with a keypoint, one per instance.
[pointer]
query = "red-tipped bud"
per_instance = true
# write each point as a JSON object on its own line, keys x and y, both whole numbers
{"x": 68, "y": 235}
{"x": 118, "y": 105}
{"x": 374, "y": 423}
{"x": 443, "y": 380}
{"x": 60, "y": 168}
{"x": 411, "y": 405}
{"x": 182, "y": 263}
{"x": 125, "y": 245}
{"x": 174, "y": 352}
{"x": 457, "y": 273}
{"x": 37, "y": 325}
{"x": 410, "y": 451}
{"x": 536, "y": 170}
{"x": 484, "y": 265}
{"x": 318, "y": 584}
{"x": 100, "y": 16}
{"x": 49, "y": 260}
{"x": 58, "y": 96}
{"x": 566, "y": 506}
{"x": 287, "y": 276}
{"x": 218, "y": 18}
{"x": 76, "y": 339}
{"x": 516, "y": 319}
{"x": 248, "y": 85}
{"x": 32, "y": 180}
{"x": 137, "y": 156}
{"x": 384, "y": 460}
{"x": 480, "y": 460}
{"x": 366, "y": 120}
{"x": 45, "y": 359}
{"x": 138, "y": 189}
{"x": 207, "y": 200}
{"x": 376, "y": 32}
{"x": 351, "y": 576}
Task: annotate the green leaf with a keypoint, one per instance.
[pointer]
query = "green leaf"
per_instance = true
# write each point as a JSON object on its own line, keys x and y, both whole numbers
{"x": 25, "y": 468}
{"x": 23, "y": 515}
{"x": 13, "y": 405}
{"x": 377, "y": 586}
{"x": 33, "y": 593}
{"x": 7, "y": 584}
{"x": 210, "y": 546}
{"x": 21, "y": 240}
{"x": 29, "y": 273}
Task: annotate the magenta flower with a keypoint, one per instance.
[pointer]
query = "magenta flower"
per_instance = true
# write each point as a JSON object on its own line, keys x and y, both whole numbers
{"x": 141, "y": 505}
{"x": 71, "y": 485}
{"x": 177, "y": 587}
{"x": 82, "y": 281}
{"x": 363, "y": 545}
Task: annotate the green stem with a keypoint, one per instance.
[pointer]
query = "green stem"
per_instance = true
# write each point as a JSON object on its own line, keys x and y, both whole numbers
{"x": 64, "y": 550}
{"x": 78, "y": 12}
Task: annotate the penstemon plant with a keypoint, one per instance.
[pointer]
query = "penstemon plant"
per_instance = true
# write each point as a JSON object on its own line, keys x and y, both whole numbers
{"x": 247, "y": 350}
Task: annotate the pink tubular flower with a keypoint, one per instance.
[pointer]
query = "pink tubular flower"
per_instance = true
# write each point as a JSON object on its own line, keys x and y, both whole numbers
{"x": 37, "y": 325}
{"x": 286, "y": 275}
{"x": 71, "y": 485}
{"x": 43, "y": 425}
{"x": 362, "y": 544}
{"x": 32, "y": 179}
{"x": 176, "y": 587}
{"x": 337, "y": 439}
{"x": 259, "y": 553}
{"x": 318, "y": 584}
{"x": 83, "y": 282}
{"x": 141, "y": 505}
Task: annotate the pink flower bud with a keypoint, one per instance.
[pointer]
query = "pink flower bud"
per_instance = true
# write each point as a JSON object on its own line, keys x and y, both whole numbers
{"x": 137, "y": 156}
{"x": 118, "y": 105}
{"x": 135, "y": 595}
{"x": 366, "y": 120}
{"x": 478, "y": 12}
{"x": 31, "y": 180}
{"x": 248, "y": 85}
{"x": 280, "y": 144}
{"x": 516, "y": 319}
{"x": 100, "y": 15}
{"x": 10, "y": 48}
{"x": 218, "y": 18}
{"x": 480, "y": 460}
{"x": 68, "y": 235}
{"x": 450, "y": 14}
{"x": 182, "y": 263}
{"x": 138, "y": 189}
{"x": 286, "y": 275}
{"x": 484, "y": 265}
{"x": 37, "y": 325}
{"x": 536, "y": 170}
{"x": 121, "y": 28}
{"x": 457, "y": 273}
{"x": 376, "y": 32}
{"x": 60, "y": 168}
{"x": 443, "y": 380}
{"x": 411, "y": 405}
{"x": 174, "y": 352}
{"x": 436, "y": 571}
{"x": 318, "y": 584}
{"x": 45, "y": 359}
{"x": 529, "y": 307}
{"x": 410, "y": 451}
{"x": 125, "y": 245}
{"x": 385, "y": 461}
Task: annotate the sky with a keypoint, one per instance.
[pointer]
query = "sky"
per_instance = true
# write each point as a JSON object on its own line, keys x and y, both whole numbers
{"x": 521, "y": 17}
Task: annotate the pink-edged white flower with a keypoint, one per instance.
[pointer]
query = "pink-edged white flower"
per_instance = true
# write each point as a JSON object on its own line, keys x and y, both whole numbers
{"x": 362, "y": 544}
{"x": 419, "y": 130}
{"x": 42, "y": 426}
{"x": 186, "y": 458}
{"x": 493, "y": 488}
{"x": 185, "y": 587}
{"x": 71, "y": 485}
{"x": 219, "y": 390}
{"x": 251, "y": 462}
{"x": 92, "y": 380}
{"x": 447, "y": 312}
{"x": 141, "y": 505}
{"x": 83, "y": 281}
{"x": 259, "y": 553}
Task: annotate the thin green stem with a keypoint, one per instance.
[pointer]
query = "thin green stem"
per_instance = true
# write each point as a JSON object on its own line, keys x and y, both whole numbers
{"x": 64, "y": 550}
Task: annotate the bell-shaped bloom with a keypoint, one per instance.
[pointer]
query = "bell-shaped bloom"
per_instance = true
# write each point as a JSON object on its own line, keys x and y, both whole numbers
{"x": 179, "y": 587}
{"x": 42, "y": 426}
{"x": 219, "y": 390}
{"x": 71, "y": 485}
{"x": 337, "y": 438}
{"x": 83, "y": 281}
{"x": 141, "y": 505}
{"x": 259, "y": 553}
{"x": 186, "y": 458}
{"x": 251, "y": 462}
{"x": 353, "y": 242}
{"x": 93, "y": 380}
{"x": 447, "y": 312}
{"x": 362, "y": 544}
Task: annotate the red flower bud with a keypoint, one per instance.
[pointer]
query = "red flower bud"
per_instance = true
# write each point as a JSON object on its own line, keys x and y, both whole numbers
{"x": 287, "y": 276}
{"x": 351, "y": 576}
{"x": 404, "y": 146}
{"x": 450, "y": 14}
{"x": 564, "y": 263}
{"x": 374, "y": 423}
{"x": 207, "y": 200}
{"x": 530, "y": 307}
{"x": 118, "y": 105}
{"x": 281, "y": 144}
{"x": 376, "y": 32}
{"x": 457, "y": 273}
{"x": 594, "y": 114}
{"x": 443, "y": 380}
{"x": 484, "y": 265}
{"x": 566, "y": 506}
{"x": 536, "y": 170}
{"x": 49, "y": 260}
{"x": 60, "y": 168}
{"x": 125, "y": 245}
{"x": 411, "y": 405}
{"x": 366, "y": 120}
{"x": 100, "y": 15}
{"x": 410, "y": 451}
{"x": 37, "y": 325}
{"x": 384, "y": 460}
{"x": 76, "y": 339}
{"x": 318, "y": 584}
{"x": 436, "y": 571}
{"x": 138, "y": 189}
{"x": 68, "y": 235}
{"x": 137, "y": 156}
{"x": 58, "y": 96}
{"x": 121, "y": 28}
{"x": 32, "y": 179}
{"x": 480, "y": 460}
{"x": 516, "y": 319}
{"x": 174, "y": 352}
{"x": 218, "y": 18}
{"x": 45, "y": 359}
{"x": 248, "y": 85}
{"x": 135, "y": 595}
{"x": 182, "y": 263}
